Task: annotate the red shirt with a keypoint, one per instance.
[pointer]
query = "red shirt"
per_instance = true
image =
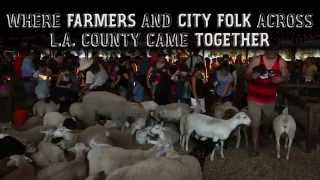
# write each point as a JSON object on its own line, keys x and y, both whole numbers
{"x": 263, "y": 90}
{"x": 17, "y": 63}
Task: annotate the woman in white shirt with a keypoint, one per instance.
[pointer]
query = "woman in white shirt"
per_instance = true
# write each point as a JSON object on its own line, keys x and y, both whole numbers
{"x": 96, "y": 75}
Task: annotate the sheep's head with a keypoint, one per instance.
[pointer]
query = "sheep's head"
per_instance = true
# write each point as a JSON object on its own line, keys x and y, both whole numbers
{"x": 17, "y": 160}
{"x": 156, "y": 114}
{"x": 63, "y": 132}
{"x": 229, "y": 113}
{"x": 141, "y": 135}
{"x": 242, "y": 118}
{"x": 76, "y": 110}
{"x": 153, "y": 138}
{"x": 157, "y": 129}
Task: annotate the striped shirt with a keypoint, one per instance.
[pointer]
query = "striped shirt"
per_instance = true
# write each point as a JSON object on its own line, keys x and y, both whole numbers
{"x": 263, "y": 90}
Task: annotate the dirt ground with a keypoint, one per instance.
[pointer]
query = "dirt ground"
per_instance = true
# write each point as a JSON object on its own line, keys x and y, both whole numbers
{"x": 238, "y": 165}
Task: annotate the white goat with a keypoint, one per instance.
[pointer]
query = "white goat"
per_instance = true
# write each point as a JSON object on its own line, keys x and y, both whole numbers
{"x": 75, "y": 169}
{"x": 284, "y": 124}
{"x": 206, "y": 126}
{"x": 106, "y": 158}
{"x": 41, "y": 107}
{"x": 164, "y": 168}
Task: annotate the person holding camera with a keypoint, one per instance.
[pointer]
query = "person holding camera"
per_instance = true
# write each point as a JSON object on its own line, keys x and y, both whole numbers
{"x": 264, "y": 74}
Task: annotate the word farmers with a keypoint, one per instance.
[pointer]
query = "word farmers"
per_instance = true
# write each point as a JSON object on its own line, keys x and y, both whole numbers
{"x": 232, "y": 39}
{"x": 110, "y": 39}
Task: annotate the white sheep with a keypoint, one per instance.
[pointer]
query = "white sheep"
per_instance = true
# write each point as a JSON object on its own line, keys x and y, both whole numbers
{"x": 101, "y": 134}
{"x": 32, "y": 122}
{"x": 166, "y": 134}
{"x": 24, "y": 169}
{"x": 71, "y": 137}
{"x": 164, "y": 168}
{"x": 284, "y": 124}
{"x": 53, "y": 119}
{"x": 106, "y": 158}
{"x": 149, "y": 105}
{"x": 29, "y": 136}
{"x": 171, "y": 112}
{"x": 206, "y": 126}
{"x": 220, "y": 109}
{"x": 141, "y": 135}
{"x": 75, "y": 110}
{"x": 47, "y": 154}
{"x": 41, "y": 107}
{"x": 225, "y": 111}
{"x": 75, "y": 169}
{"x": 111, "y": 106}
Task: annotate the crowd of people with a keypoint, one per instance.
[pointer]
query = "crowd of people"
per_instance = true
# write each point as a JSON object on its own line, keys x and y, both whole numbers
{"x": 253, "y": 83}
{"x": 65, "y": 76}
